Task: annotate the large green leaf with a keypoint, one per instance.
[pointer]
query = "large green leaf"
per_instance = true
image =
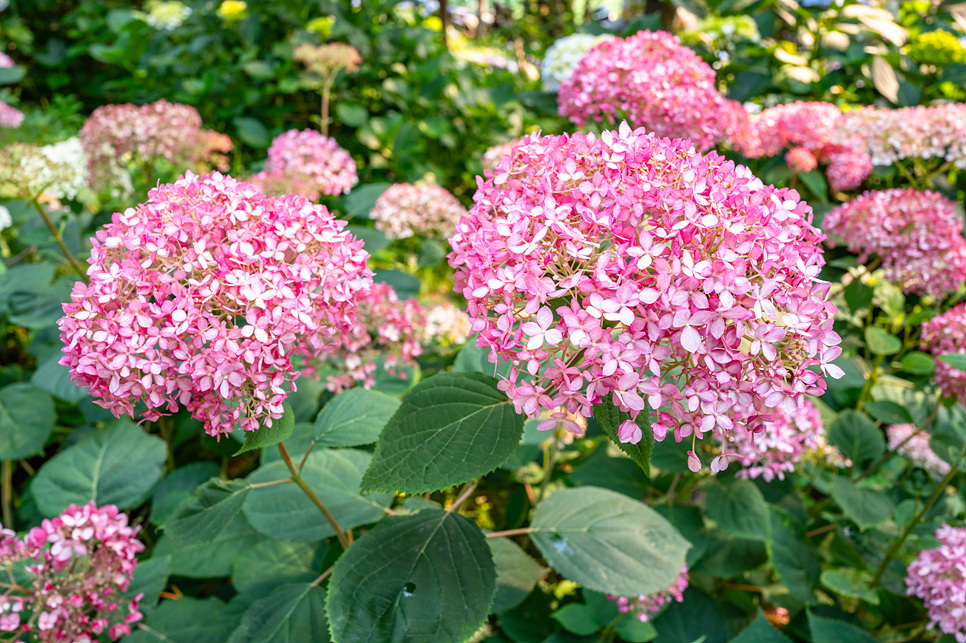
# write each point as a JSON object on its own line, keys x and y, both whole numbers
{"x": 284, "y": 511}
{"x": 276, "y": 562}
{"x": 201, "y": 518}
{"x": 695, "y": 619}
{"x": 610, "y": 418}
{"x": 739, "y": 508}
{"x": 185, "y": 620}
{"x": 178, "y": 486}
{"x": 608, "y": 542}
{"x": 956, "y": 360}
{"x": 761, "y": 631}
{"x": 826, "y": 629}
{"x": 426, "y": 577}
{"x": 476, "y": 359}
{"x": 794, "y": 560}
{"x": 353, "y": 418}
{"x": 856, "y": 437}
{"x": 149, "y": 579}
{"x": 867, "y": 507}
{"x": 214, "y": 559}
{"x": 516, "y": 573}
{"x": 850, "y": 582}
{"x": 269, "y": 436}
{"x": 27, "y": 418}
{"x": 54, "y": 378}
{"x": 880, "y": 342}
{"x": 450, "y": 429}
{"x": 118, "y": 466}
{"x": 289, "y": 614}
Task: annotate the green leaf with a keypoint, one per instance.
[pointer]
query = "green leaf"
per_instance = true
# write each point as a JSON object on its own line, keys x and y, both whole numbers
{"x": 794, "y": 561}
{"x": 610, "y": 418}
{"x": 361, "y": 199}
{"x": 739, "y": 508}
{"x": 858, "y": 296}
{"x": 761, "y": 631}
{"x": 881, "y": 342}
{"x": 288, "y": 614}
{"x": 608, "y": 542}
{"x": 259, "y": 69}
{"x": 426, "y": 577}
{"x": 334, "y": 474}
{"x": 727, "y": 557}
{"x": 353, "y": 418}
{"x": 251, "y": 131}
{"x": 956, "y": 360}
{"x": 826, "y": 629}
{"x": 373, "y": 239}
{"x": 54, "y": 378}
{"x": 214, "y": 559}
{"x": 866, "y": 507}
{"x": 276, "y": 562}
{"x": 577, "y": 618}
{"x": 149, "y": 579}
{"x": 633, "y": 631}
{"x": 918, "y": 363}
{"x": 888, "y": 412}
{"x": 27, "y": 418}
{"x": 476, "y": 359}
{"x": 267, "y": 436}
{"x": 405, "y": 284}
{"x": 856, "y": 437}
{"x": 450, "y": 429}
{"x": 815, "y": 182}
{"x": 10, "y": 75}
{"x": 118, "y": 466}
{"x": 352, "y": 114}
{"x": 178, "y": 486}
{"x": 185, "y": 620}
{"x": 200, "y": 519}
{"x": 430, "y": 253}
{"x": 693, "y": 620}
{"x": 516, "y": 574}
{"x": 618, "y": 474}
{"x": 851, "y": 583}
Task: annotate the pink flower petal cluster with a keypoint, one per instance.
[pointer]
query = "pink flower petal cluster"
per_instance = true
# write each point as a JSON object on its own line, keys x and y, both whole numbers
{"x": 651, "y": 80}
{"x": 646, "y": 605}
{"x": 385, "y": 327}
{"x": 632, "y": 268}
{"x": 922, "y": 132}
{"x": 6, "y": 61}
{"x": 938, "y": 577}
{"x": 160, "y": 130}
{"x": 444, "y": 323}
{"x": 198, "y": 297}
{"x": 78, "y": 565}
{"x": 775, "y": 449}
{"x": 10, "y": 116}
{"x": 800, "y": 159}
{"x": 917, "y": 235}
{"x": 493, "y": 154}
{"x": 404, "y": 210}
{"x": 315, "y": 162}
{"x": 909, "y": 441}
{"x": 943, "y": 335}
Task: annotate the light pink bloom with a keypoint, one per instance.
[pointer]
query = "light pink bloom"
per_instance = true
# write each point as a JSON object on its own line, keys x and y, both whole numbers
{"x": 10, "y": 116}
{"x": 323, "y": 166}
{"x": 778, "y": 441}
{"x": 938, "y": 577}
{"x": 646, "y": 605}
{"x": 915, "y": 446}
{"x": 942, "y": 335}
{"x": 404, "y": 210}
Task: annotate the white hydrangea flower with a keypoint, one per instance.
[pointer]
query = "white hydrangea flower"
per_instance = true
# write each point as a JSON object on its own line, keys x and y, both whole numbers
{"x": 69, "y": 152}
{"x": 167, "y": 15}
{"x": 5, "y": 220}
{"x": 563, "y": 56}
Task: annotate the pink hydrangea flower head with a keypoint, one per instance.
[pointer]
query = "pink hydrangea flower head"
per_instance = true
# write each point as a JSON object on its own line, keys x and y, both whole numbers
{"x": 942, "y": 335}
{"x": 282, "y": 183}
{"x": 651, "y": 80}
{"x": 78, "y": 565}
{"x": 922, "y": 132}
{"x": 404, "y": 210}
{"x": 634, "y": 269}
{"x": 645, "y": 606}
{"x": 384, "y": 326}
{"x": 938, "y": 577}
{"x": 6, "y": 61}
{"x": 800, "y": 159}
{"x": 198, "y": 297}
{"x": 10, "y": 116}
{"x": 328, "y": 168}
{"x": 493, "y": 154}
{"x": 909, "y": 441}
{"x": 917, "y": 235}
{"x": 849, "y": 165}
{"x": 773, "y": 449}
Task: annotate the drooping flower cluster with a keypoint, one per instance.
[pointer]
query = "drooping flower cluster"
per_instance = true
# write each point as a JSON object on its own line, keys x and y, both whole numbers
{"x": 909, "y": 441}
{"x": 404, "y": 210}
{"x": 493, "y": 154}
{"x": 115, "y": 134}
{"x": 308, "y": 160}
{"x": 635, "y": 269}
{"x": 646, "y": 605}
{"x": 938, "y": 577}
{"x": 651, "y": 80}
{"x": 917, "y": 235}
{"x": 563, "y": 55}
{"x": 10, "y": 116}
{"x": 890, "y": 135}
{"x": 328, "y": 59}
{"x": 943, "y": 335}
{"x": 445, "y": 323}
{"x": 777, "y": 448}
{"x": 384, "y": 327}
{"x": 78, "y": 564}
{"x": 198, "y": 297}
{"x": 56, "y": 170}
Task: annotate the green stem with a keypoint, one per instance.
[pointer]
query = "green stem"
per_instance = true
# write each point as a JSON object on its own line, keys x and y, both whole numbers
{"x": 6, "y": 493}
{"x": 522, "y": 531}
{"x": 297, "y": 479}
{"x": 326, "y": 91}
{"x": 60, "y": 240}
{"x": 870, "y": 382}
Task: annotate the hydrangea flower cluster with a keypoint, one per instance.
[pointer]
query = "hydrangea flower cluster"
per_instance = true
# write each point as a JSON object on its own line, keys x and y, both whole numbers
{"x": 55, "y": 170}
{"x": 909, "y": 441}
{"x": 79, "y": 564}
{"x": 114, "y": 134}
{"x": 6, "y": 61}
{"x": 646, "y": 605}
{"x": 917, "y": 235}
{"x": 329, "y": 58}
{"x": 938, "y": 577}
{"x": 308, "y": 159}
{"x": 404, "y": 210}
{"x": 445, "y": 323}
{"x": 942, "y": 335}
{"x": 921, "y": 132}
{"x": 384, "y": 327}
{"x": 10, "y": 116}
{"x": 632, "y": 268}
{"x": 653, "y": 81}
{"x": 777, "y": 448}
{"x": 198, "y": 297}
{"x": 493, "y": 154}
{"x": 166, "y": 15}
{"x": 563, "y": 55}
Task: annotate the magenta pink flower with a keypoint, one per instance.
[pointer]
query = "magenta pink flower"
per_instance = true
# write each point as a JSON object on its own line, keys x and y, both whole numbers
{"x": 198, "y": 297}
{"x": 404, "y": 210}
{"x": 658, "y": 267}
{"x": 78, "y": 565}
{"x": 938, "y": 577}
{"x": 647, "y": 605}
{"x": 653, "y": 81}
{"x": 917, "y": 235}
{"x": 10, "y": 116}
{"x": 777, "y": 443}
{"x": 326, "y": 167}
{"x": 943, "y": 335}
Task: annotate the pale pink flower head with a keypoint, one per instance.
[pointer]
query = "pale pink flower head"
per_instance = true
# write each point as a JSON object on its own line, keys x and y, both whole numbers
{"x": 198, "y": 297}
{"x": 917, "y": 235}
{"x": 943, "y": 335}
{"x": 404, "y": 210}
{"x": 446, "y": 324}
{"x": 938, "y": 577}
{"x": 6, "y": 61}
{"x": 634, "y": 269}
{"x": 921, "y": 132}
{"x": 78, "y": 564}
{"x": 778, "y": 443}
{"x": 645, "y": 606}
{"x": 800, "y": 159}
{"x": 329, "y": 58}
{"x": 909, "y": 441}
{"x": 651, "y": 80}
{"x": 326, "y": 167}
{"x": 10, "y": 116}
